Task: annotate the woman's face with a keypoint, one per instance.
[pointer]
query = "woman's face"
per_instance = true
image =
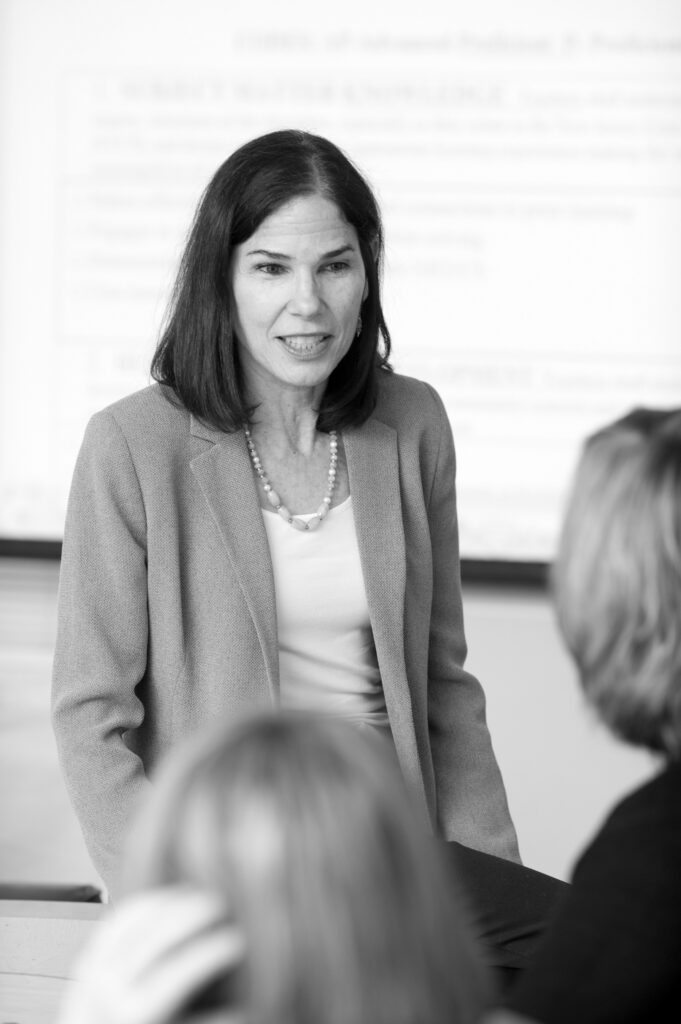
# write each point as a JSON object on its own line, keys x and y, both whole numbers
{"x": 297, "y": 283}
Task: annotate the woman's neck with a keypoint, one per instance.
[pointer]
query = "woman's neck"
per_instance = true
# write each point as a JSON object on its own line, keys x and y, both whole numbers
{"x": 287, "y": 421}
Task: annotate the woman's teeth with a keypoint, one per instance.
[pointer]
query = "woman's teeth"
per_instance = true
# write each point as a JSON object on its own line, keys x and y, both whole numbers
{"x": 303, "y": 342}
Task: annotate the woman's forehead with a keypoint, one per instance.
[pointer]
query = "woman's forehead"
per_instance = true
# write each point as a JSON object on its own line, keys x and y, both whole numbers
{"x": 305, "y": 218}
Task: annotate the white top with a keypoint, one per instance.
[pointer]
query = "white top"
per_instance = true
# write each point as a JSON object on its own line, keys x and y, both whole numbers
{"x": 327, "y": 658}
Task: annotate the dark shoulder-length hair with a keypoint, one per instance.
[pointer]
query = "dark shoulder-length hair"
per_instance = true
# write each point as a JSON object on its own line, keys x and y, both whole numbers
{"x": 197, "y": 355}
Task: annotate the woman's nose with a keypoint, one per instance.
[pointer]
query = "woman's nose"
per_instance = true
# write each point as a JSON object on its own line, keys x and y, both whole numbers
{"x": 306, "y": 298}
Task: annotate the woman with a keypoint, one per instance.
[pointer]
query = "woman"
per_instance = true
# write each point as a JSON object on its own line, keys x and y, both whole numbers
{"x": 279, "y": 874}
{"x": 614, "y": 950}
{"x": 274, "y": 521}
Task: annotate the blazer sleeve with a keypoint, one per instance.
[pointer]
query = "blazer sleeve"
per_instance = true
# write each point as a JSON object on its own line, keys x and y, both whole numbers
{"x": 101, "y": 647}
{"x": 472, "y": 804}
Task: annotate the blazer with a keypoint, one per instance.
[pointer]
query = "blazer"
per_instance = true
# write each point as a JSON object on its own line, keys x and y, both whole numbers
{"x": 167, "y": 616}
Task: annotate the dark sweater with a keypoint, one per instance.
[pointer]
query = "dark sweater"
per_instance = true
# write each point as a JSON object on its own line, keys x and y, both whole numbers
{"x": 613, "y": 952}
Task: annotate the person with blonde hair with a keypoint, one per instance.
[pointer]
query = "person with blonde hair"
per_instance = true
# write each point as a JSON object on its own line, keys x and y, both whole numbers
{"x": 281, "y": 873}
{"x": 613, "y": 952}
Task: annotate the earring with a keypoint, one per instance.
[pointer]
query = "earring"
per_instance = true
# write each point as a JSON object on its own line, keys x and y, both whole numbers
{"x": 359, "y": 326}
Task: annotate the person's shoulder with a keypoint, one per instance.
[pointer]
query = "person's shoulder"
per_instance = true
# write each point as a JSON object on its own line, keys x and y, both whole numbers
{"x": 657, "y": 799}
{"x": 153, "y": 405}
{"x": 150, "y": 424}
{"x": 403, "y": 400}
{"x": 644, "y": 827}
{"x": 152, "y": 411}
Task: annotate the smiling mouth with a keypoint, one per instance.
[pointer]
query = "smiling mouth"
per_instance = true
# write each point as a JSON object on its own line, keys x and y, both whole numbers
{"x": 304, "y": 344}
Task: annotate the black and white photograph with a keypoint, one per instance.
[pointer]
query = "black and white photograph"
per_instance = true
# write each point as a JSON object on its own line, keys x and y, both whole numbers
{"x": 340, "y": 512}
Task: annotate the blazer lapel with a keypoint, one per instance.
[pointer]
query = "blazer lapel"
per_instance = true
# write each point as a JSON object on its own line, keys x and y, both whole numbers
{"x": 225, "y": 476}
{"x": 373, "y": 468}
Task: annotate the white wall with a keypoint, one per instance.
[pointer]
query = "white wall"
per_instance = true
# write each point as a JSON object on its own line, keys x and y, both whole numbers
{"x": 40, "y": 839}
{"x": 563, "y": 771}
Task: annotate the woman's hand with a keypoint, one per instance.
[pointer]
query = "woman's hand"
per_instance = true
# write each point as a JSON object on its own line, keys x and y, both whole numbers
{"x": 148, "y": 959}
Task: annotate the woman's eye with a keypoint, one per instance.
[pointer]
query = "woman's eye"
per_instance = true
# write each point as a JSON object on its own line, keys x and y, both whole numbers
{"x": 337, "y": 267}
{"x": 271, "y": 269}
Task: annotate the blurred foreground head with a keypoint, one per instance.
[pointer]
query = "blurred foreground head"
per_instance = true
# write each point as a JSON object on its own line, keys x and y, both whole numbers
{"x": 304, "y": 828}
{"x": 617, "y": 578}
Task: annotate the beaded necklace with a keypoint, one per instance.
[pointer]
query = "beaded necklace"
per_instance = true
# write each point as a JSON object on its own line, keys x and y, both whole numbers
{"x": 275, "y": 501}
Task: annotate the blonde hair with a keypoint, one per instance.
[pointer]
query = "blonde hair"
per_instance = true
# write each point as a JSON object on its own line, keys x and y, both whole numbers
{"x": 304, "y": 825}
{"x": 617, "y": 577}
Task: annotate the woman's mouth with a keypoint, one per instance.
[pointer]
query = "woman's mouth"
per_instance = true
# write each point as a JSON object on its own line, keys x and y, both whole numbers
{"x": 304, "y": 344}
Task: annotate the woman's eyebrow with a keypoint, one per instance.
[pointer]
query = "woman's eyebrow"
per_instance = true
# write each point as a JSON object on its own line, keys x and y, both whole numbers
{"x": 338, "y": 252}
{"x": 283, "y": 256}
{"x": 269, "y": 254}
